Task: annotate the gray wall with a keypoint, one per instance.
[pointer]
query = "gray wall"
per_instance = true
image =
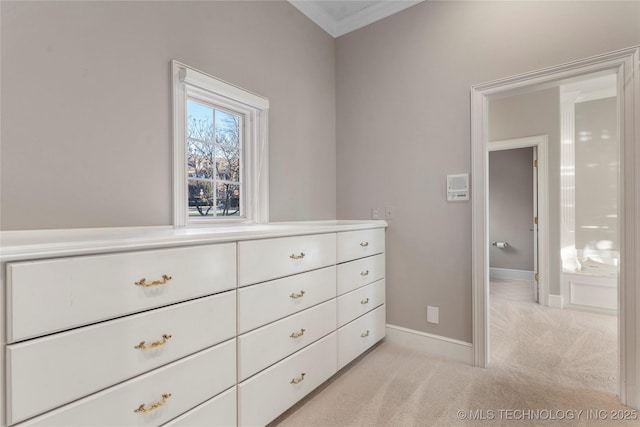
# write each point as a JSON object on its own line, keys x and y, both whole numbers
{"x": 403, "y": 115}
{"x": 86, "y": 105}
{"x": 511, "y": 208}
{"x": 596, "y": 150}
{"x": 536, "y": 113}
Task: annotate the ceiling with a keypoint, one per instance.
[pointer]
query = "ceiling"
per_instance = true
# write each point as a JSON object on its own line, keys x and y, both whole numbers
{"x": 339, "y": 17}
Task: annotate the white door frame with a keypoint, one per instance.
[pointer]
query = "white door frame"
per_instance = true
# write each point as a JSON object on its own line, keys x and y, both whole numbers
{"x": 626, "y": 64}
{"x": 540, "y": 142}
{"x": 535, "y": 227}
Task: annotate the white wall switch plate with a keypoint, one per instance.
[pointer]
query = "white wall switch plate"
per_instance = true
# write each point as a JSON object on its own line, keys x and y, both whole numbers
{"x": 388, "y": 213}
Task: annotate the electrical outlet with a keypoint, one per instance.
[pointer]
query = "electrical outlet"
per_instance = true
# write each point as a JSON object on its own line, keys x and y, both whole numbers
{"x": 433, "y": 314}
{"x": 375, "y": 213}
{"x": 388, "y": 212}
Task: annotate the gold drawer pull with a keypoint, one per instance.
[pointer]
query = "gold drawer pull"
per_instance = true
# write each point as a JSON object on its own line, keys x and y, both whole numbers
{"x": 143, "y": 346}
{"x": 296, "y": 296}
{"x": 364, "y": 273}
{"x": 365, "y": 301}
{"x": 142, "y": 408}
{"x": 294, "y": 256}
{"x": 364, "y": 244}
{"x": 297, "y": 334}
{"x": 143, "y": 281}
{"x": 364, "y": 335}
{"x": 298, "y": 380}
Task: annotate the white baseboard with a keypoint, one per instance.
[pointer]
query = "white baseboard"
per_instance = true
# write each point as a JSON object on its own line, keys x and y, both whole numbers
{"x": 555, "y": 301}
{"x": 507, "y": 273}
{"x": 433, "y": 344}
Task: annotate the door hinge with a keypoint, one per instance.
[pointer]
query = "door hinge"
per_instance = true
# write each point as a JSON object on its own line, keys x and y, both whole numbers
{"x": 535, "y": 163}
{"x": 537, "y": 277}
{"x": 535, "y": 220}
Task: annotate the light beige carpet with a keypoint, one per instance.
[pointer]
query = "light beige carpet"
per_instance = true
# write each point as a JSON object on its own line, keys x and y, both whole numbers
{"x": 547, "y": 366}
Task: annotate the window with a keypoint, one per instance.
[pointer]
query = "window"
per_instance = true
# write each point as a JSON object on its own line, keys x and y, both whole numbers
{"x": 214, "y": 161}
{"x": 220, "y": 151}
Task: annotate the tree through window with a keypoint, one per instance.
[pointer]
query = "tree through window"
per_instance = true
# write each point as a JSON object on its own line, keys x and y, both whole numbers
{"x": 214, "y": 161}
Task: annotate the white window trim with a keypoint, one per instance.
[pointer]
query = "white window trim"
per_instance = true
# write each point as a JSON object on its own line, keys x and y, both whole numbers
{"x": 256, "y": 145}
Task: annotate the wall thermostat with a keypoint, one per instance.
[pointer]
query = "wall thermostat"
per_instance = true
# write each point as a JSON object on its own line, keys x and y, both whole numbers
{"x": 458, "y": 187}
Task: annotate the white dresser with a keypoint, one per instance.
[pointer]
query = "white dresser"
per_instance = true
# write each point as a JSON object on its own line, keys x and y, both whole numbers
{"x": 288, "y": 315}
{"x": 184, "y": 327}
{"x": 361, "y": 292}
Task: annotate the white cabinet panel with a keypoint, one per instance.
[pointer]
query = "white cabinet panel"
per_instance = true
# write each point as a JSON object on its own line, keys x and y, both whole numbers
{"x": 189, "y": 381}
{"x": 359, "y": 244}
{"x": 271, "y": 392}
{"x": 75, "y": 363}
{"x": 358, "y": 302}
{"x": 261, "y": 260}
{"x": 53, "y": 295}
{"x": 266, "y": 302}
{"x": 217, "y": 412}
{"x": 359, "y": 335}
{"x": 354, "y": 274}
{"x": 265, "y": 346}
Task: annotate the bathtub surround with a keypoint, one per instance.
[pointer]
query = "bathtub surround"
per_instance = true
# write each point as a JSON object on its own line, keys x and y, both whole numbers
{"x": 590, "y": 209}
{"x": 596, "y": 178}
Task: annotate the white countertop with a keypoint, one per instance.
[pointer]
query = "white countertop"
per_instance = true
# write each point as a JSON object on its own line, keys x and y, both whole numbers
{"x": 39, "y": 244}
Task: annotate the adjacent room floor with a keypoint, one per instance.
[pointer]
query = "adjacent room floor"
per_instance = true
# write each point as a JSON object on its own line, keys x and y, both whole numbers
{"x": 549, "y": 367}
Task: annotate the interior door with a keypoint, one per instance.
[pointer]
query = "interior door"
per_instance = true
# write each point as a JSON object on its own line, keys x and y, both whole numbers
{"x": 534, "y": 228}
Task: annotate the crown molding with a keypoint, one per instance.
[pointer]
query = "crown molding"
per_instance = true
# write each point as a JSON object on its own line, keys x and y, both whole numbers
{"x": 366, "y": 16}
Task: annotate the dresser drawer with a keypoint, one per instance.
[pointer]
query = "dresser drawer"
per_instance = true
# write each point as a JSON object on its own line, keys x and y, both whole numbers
{"x": 50, "y": 296}
{"x": 189, "y": 381}
{"x": 266, "y": 302}
{"x": 354, "y": 274}
{"x": 359, "y": 244}
{"x": 358, "y": 302}
{"x": 260, "y": 348}
{"x": 271, "y": 392}
{"x": 359, "y": 335}
{"x": 217, "y": 412}
{"x": 68, "y": 361}
{"x": 261, "y": 260}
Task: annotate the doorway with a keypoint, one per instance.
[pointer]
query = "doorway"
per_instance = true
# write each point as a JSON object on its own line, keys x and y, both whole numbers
{"x": 512, "y": 217}
{"x": 558, "y": 341}
{"x": 625, "y": 64}
{"x": 532, "y": 235}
